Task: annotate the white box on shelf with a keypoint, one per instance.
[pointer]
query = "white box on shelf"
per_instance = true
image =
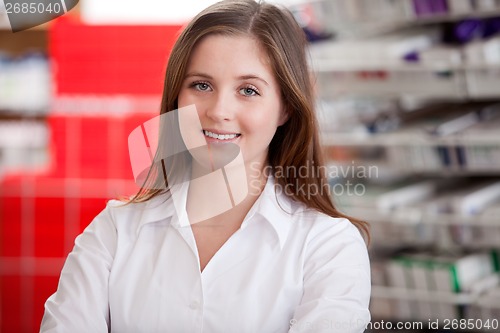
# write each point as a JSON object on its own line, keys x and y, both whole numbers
{"x": 483, "y": 82}
{"x": 460, "y": 6}
{"x": 422, "y": 276}
{"x": 399, "y": 275}
{"x": 486, "y": 4}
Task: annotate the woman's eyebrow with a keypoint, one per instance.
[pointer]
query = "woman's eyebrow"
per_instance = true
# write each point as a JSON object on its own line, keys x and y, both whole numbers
{"x": 252, "y": 76}
{"x": 199, "y": 74}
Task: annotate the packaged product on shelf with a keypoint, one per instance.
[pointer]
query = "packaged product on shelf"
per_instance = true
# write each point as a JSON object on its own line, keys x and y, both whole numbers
{"x": 460, "y": 274}
{"x": 480, "y": 142}
{"x": 486, "y": 311}
{"x": 483, "y": 74}
{"x": 357, "y": 115}
{"x": 474, "y": 200}
{"x": 444, "y": 126}
{"x": 25, "y": 84}
{"x": 381, "y": 51}
{"x": 414, "y": 158}
{"x": 19, "y": 151}
{"x": 483, "y": 52}
{"x": 380, "y": 197}
{"x": 433, "y": 286}
{"x": 423, "y": 218}
{"x": 468, "y": 204}
{"x": 380, "y": 307}
{"x": 426, "y": 8}
{"x": 405, "y": 195}
{"x": 486, "y": 4}
{"x": 417, "y": 272}
{"x": 416, "y": 192}
{"x": 400, "y": 276}
{"x": 441, "y": 56}
{"x": 420, "y": 268}
{"x": 460, "y": 6}
{"x": 483, "y": 82}
{"x": 490, "y": 222}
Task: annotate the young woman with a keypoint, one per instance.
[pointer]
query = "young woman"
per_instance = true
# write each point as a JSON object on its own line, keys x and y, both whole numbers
{"x": 279, "y": 257}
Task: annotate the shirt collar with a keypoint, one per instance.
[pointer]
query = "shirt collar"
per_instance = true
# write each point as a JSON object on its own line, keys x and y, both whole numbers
{"x": 273, "y": 205}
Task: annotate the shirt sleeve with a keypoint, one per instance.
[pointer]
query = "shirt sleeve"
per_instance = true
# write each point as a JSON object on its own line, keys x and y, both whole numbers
{"x": 80, "y": 303}
{"x": 337, "y": 282}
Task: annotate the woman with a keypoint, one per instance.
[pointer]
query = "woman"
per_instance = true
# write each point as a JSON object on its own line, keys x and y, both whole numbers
{"x": 279, "y": 257}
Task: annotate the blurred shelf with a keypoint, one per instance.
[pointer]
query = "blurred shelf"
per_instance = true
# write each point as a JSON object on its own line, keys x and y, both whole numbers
{"x": 369, "y": 28}
{"x": 442, "y": 18}
{"x": 337, "y": 65}
{"x": 423, "y": 295}
{"x": 472, "y": 83}
{"x": 488, "y": 303}
{"x": 417, "y": 75}
{"x": 395, "y": 293}
{"x": 414, "y": 216}
{"x": 10, "y": 115}
{"x": 409, "y": 139}
{"x": 44, "y": 27}
{"x": 17, "y": 44}
{"x": 386, "y": 168}
{"x": 14, "y": 135}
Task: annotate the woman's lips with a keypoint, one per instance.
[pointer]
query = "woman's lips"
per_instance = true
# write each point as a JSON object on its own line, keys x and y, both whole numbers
{"x": 213, "y": 136}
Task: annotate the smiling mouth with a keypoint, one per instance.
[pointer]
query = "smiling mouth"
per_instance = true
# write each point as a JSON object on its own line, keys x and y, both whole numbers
{"x": 220, "y": 136}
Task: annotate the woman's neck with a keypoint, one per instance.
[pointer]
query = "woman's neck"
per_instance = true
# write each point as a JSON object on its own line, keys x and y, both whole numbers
{"x": 224, "y": 195}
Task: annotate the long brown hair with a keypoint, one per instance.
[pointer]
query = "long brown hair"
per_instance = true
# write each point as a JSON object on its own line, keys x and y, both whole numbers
{"x": 296, "y": 143}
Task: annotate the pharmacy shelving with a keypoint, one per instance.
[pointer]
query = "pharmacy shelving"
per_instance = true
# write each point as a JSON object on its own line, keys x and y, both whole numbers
{"x": 422, "y": 295}
{"x": 351, "y": 18}
{"x": 406, "y": 59}
{"x": 438, "y": 81}
{"x": 439, "y": 18}
{"x": 383, "y": 26}
{"x": 415, "y": 216}
{"x": 409, "y": 139}
{"x": 25, "y": 89}
{"x": 445, "y": 75}
{"x": 329, "y": 65}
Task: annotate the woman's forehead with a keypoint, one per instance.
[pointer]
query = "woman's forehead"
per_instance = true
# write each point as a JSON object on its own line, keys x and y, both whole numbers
{"x": 242, "y": 55}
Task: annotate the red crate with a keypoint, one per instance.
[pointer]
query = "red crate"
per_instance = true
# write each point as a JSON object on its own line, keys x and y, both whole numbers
{"x": 44, "y": 287}
{"x": 94, "y": 151}
{"x": 41, "y": 214}
{"x": 110, "y": 59}
{"x": 10, "y": 226}
{"x": 49, "y": 219}
{"x": 11, "y": 306}
{"x": 94, "y": 147}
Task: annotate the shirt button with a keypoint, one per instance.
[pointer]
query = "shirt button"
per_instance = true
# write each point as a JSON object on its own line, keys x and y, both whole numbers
{"x": 194, "y": 305}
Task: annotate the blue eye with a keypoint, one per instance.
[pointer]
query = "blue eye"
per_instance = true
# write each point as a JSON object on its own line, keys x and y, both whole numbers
{"x": 201, "y": 86}
{"x": 248, "y": 91}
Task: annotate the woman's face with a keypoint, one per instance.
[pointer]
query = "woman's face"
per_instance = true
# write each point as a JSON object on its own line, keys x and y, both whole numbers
{"x": 237, "y": 98}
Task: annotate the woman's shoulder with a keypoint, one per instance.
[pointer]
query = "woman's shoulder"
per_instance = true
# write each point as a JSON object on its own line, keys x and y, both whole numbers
{"x": 309, "y": 222}
{"x": 133, "y": 215}
{"x": 320, "y": 224}
{"x": 330, "y": 239}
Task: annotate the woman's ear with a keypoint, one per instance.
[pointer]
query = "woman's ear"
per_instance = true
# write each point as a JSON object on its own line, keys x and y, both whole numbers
{"x": 284, "y": 115}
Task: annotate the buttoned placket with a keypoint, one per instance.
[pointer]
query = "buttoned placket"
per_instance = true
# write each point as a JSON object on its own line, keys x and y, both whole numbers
{"x": 195, "y": 301}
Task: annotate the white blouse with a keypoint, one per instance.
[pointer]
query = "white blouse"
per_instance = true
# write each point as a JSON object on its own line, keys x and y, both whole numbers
{"x": 136, "y": 269}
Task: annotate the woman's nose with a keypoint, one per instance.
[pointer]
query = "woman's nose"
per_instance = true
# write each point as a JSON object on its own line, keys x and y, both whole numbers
{"x": 220, "y": 108}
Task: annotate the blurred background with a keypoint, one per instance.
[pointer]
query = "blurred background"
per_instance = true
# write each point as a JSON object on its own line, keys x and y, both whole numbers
{"x": 408, "y": 98}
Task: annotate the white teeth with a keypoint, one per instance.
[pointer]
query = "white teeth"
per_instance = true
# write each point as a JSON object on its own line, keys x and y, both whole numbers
{"x": 220, "y": 136}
